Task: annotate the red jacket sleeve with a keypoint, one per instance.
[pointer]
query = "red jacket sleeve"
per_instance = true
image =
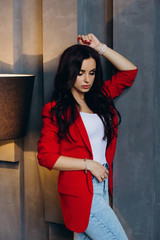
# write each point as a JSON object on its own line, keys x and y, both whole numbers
{"x": 119, "y": 82}
{"x": 48, "y": 145}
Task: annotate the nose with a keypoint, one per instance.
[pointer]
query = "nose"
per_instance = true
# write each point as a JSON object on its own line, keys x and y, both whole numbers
{"x": 87, "y": 78}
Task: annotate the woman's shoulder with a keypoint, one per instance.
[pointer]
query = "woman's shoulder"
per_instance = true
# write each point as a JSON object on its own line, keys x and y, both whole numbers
{"x": 46, "y": 110}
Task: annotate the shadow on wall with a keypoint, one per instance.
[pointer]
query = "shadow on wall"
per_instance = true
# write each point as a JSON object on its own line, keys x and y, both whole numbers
{"x": 9, "y": 165}
{"x": 50, "y": 69}
{"x": 5, "y": 67}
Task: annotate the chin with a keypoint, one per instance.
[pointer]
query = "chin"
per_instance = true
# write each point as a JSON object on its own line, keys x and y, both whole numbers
{"x": 85, "y": 90}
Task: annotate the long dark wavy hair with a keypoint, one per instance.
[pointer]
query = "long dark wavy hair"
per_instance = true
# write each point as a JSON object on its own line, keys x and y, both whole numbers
{"x": 97, "y": 99}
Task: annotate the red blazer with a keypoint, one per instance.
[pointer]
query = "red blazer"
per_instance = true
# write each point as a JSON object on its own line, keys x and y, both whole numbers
{"x": 75, "y": 187}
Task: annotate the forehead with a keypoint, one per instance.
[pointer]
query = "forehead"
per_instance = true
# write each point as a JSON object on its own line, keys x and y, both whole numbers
{"x": 88, "y": 64}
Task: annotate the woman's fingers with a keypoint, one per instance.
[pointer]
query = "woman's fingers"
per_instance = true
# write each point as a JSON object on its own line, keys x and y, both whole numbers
{"x": 89, "y": 40}
{"x": 84, "y": 39}
{"x": 102, "y": 174}
{"x": 97, "y": 170}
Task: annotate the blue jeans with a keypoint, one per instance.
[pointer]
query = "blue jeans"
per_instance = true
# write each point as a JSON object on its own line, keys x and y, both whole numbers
{"x": 103, "y": 223}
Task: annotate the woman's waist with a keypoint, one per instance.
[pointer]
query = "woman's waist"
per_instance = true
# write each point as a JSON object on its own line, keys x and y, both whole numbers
{"x": 99, "y": 158}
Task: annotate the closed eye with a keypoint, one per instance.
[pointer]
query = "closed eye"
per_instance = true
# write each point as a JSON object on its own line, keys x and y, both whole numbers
{"x": 92, "y": 73}
{"x": 80, "y": 74}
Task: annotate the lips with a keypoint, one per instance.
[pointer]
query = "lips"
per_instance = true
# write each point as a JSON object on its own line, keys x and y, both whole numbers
{"x": 86, "y": 86}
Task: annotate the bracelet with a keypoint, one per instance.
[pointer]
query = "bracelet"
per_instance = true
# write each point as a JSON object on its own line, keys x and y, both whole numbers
{"x": 102, "y": 48}
{"x": 85, "y": 166}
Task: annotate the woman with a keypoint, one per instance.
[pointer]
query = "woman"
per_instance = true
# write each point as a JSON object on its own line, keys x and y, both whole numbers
{"x": 79, "y": 134}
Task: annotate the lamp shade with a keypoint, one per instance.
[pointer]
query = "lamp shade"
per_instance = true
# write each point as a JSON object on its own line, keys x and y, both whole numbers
{"x": 15, "y": 100}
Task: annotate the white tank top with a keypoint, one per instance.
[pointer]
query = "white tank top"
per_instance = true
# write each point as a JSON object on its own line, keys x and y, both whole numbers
{"x": 95, "y": 130}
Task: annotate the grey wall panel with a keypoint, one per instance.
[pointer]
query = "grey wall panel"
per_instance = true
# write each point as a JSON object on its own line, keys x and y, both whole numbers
{"x": 91, "y": 17}
{"x": 134, "y": 170}
{"x": 59, "y": 32}
{"x": 156, "y": 143}
{"x": 32, "y": 62}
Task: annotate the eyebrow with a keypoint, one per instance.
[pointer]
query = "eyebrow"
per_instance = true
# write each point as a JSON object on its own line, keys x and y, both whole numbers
{"x": 93, "y": 70}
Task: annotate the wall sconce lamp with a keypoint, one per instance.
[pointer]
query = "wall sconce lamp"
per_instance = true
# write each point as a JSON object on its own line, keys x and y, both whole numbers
{"x": 15, "y": 100}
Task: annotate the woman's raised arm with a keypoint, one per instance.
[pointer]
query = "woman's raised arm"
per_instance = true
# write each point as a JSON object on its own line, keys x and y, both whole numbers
{"x": 120, "y": 62}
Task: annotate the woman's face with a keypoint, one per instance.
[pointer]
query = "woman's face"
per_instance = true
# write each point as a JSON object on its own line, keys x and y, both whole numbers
{"x": 85, "y": 78}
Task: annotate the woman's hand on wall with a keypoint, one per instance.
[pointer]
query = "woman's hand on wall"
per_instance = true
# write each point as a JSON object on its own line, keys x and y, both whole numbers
{"x": 120, "y": 62}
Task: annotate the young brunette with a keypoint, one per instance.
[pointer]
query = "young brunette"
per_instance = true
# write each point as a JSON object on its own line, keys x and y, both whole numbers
{"x": 79, "y": 133}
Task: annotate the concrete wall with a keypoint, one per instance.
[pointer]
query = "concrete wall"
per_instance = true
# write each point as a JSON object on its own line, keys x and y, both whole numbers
{"x": 156, "y": 145}
{"x": 33, "y": 35}
{"x": 136, "y": 35}
{"x": 21, "y": 202}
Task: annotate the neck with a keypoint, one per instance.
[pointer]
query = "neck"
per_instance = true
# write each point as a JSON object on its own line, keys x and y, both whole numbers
{"x": 79, "y": 97}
